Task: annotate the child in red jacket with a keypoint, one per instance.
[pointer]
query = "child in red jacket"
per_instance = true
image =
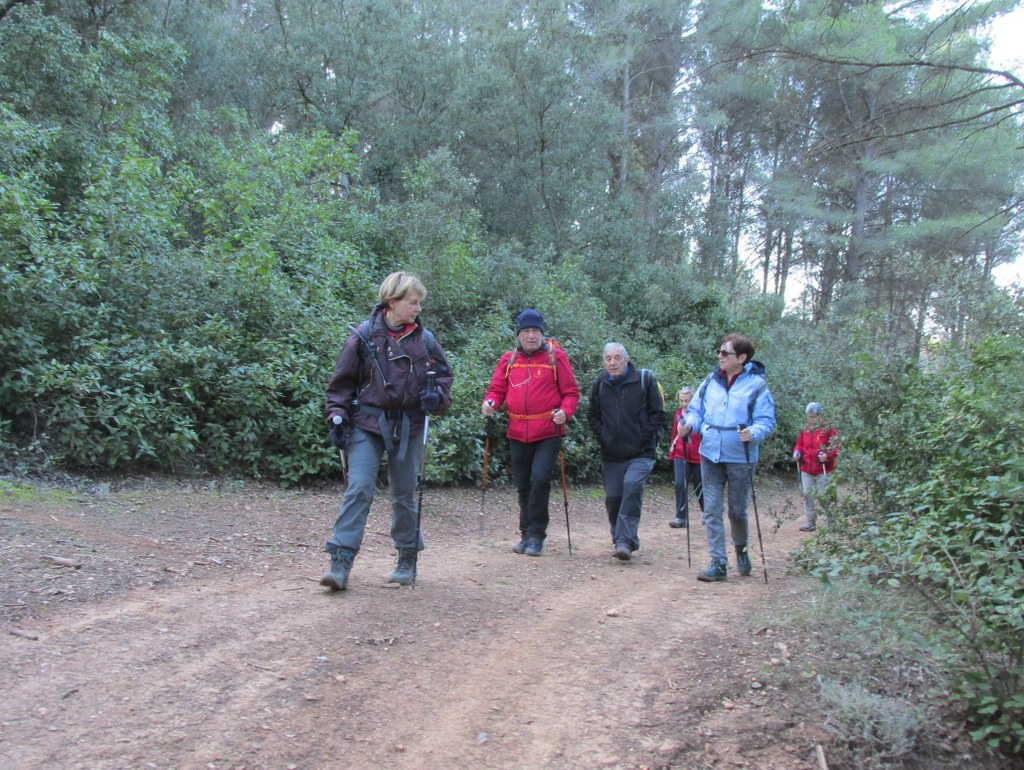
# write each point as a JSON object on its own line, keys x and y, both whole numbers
{"x": 815, "y": 450}
{"x": 684, "y": 453}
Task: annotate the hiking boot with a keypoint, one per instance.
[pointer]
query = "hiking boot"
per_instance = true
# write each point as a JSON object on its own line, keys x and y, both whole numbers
{"x": 807, "y": 528}
{"x": 743, "y": 560}
{"x": 336, "y": 578}
{"x": 534, "y": 547}
{"x": 678, "y": 523}
{"x": 520, "y": 547}
{"x": 405, "y": 570}
{"x": 622, "y": 552}
{"x": 713, "y": 573}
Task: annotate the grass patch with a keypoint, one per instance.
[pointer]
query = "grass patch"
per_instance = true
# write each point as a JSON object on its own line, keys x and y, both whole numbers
{"x": 25, "y": 494}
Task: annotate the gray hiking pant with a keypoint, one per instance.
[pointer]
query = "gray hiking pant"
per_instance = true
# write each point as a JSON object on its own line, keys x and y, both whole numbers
{"x": 716, "y": 476}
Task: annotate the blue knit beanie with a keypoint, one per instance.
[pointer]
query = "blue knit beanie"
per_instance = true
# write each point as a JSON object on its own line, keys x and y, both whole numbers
{"x": 529, "y": 319}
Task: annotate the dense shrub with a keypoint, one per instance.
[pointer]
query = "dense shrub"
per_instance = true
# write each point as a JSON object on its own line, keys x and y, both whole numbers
{"x": 943, "y": 514}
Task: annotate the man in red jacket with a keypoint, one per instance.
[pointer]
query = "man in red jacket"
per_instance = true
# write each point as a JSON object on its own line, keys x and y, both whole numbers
{"x": 815, "y": 450}
{"x": 536, "y": 383}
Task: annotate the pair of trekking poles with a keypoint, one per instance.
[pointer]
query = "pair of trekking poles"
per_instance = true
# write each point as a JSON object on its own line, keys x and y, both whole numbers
{"x": 753, "y": 494}
{"x": 483, "y": 484}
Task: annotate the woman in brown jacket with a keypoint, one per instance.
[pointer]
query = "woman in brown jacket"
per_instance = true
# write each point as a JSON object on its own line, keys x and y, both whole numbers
{"x": 377, "y": 402}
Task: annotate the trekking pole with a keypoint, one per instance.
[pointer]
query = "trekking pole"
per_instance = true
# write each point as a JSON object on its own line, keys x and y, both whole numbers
{"x": 679, "y": 511}
{"x": 693, "y": 494}
{"x": 419, "y": 482}
{"x": 753, "y": 495}
{"x": 565, "y": 497}
{"x": 483, "y": 482}
{"x": 686, "y": 474}
{"x": 688, "y": 564}
{"x": 342, "y": 458}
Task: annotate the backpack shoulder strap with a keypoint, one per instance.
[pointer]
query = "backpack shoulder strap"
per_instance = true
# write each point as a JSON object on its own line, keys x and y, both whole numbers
{"x": 362, "y": 331}
{"x": 511, "y": 362}
{"x": 645, "y": 378}
{"x": 552, "y": 357}
{"x": 431, "y": 342}
{"x": 704, "y": 386}
{"x": 366, "y": 350}
{"x": 552, "y": 345}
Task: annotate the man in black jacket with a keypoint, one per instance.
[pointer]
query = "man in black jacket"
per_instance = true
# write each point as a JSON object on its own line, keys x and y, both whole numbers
{"x": 627, "y": 415}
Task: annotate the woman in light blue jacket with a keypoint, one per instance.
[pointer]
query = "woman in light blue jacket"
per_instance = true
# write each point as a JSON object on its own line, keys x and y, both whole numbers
{"x": 734, "y": 412}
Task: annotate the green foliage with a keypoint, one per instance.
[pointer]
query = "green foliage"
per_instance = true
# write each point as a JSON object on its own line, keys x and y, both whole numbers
{"x": 174, "y": 351}
{"x": 944, "y": 515}
{"x": 195, "y": 203}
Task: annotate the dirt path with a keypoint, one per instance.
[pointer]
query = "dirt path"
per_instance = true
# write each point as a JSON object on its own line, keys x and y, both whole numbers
{"x": 194, "y": 635}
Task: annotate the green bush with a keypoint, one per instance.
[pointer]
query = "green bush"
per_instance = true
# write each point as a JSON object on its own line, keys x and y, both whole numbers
{"x": 943, "y": 514}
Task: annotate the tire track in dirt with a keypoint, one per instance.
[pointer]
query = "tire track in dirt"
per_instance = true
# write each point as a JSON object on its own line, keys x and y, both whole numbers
{"x": 494, "y": 660}
{"x": 567, "y": 687}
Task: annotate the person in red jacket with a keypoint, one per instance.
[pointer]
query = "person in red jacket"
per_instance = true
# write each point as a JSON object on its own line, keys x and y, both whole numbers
{"x": 684, "y": 454}
{"x": 815, "y": 450}
{"x": 537, "y": 385}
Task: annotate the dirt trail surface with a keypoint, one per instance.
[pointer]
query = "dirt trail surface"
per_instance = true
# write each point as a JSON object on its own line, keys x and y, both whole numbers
{"x": 159, "y": 626}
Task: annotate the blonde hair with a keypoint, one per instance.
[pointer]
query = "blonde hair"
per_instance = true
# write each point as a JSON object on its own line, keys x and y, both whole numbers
{"x": 400, "y": 283}
{"x": 683, "y": 390}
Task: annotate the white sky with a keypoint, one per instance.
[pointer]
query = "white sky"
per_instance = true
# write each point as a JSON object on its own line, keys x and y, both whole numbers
{"x": 1006, "y": 41}
{"x": 1007, "y": 53}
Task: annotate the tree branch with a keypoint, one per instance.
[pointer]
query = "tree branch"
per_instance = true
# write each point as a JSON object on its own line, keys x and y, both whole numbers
{"x": 867, "y": 66}
{"x": 9, "y": 5}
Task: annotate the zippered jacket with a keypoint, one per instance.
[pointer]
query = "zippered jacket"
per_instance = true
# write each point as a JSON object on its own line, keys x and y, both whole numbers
{"x": 810, "y": 442}
{"x": 389, "y": 381}
{"x": 531, "y": 387}
{"x": 717, "y": 412}
{"x": 626, "y": 417}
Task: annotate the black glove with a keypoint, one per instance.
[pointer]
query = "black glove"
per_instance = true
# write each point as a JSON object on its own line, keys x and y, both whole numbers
{"x": 429, "y": 401}
{"x": 339, "y": 434}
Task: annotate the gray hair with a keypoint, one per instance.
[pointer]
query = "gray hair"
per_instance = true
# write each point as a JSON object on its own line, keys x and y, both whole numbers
{"x": 610, "y": 346}
{"x": 684, "y": 390}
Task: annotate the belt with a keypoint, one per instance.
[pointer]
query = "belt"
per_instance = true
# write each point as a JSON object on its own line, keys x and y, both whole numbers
{"x": 541, "y": 416}
{"x": 721, "y": 427}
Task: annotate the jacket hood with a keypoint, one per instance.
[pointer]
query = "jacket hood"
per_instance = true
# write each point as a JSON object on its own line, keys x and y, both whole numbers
{"x": 751, "y": 367}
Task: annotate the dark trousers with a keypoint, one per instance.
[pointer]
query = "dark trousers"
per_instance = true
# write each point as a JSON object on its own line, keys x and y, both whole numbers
{"x": 686, "y": 474}
{"x": 532, "y": 466}
{"x": 624, "y": 484}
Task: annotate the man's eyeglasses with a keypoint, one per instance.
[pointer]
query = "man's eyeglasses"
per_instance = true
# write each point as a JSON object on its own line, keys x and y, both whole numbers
{"x": 726, "y": 353}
